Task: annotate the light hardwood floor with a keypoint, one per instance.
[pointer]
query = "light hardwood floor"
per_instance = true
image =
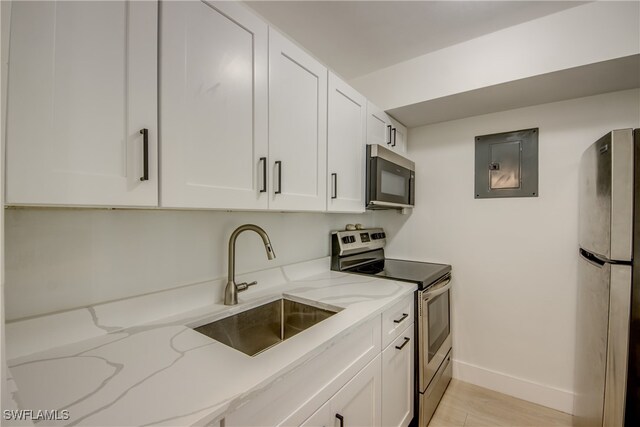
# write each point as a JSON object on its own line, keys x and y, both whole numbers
{"x": 465, "y": 404}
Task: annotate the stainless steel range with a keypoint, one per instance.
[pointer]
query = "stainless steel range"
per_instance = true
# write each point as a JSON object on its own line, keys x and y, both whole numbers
{"x": 362, "y": 252}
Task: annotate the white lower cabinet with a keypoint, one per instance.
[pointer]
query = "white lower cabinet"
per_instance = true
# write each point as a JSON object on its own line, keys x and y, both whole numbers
{"x": 299, "y": 393}
{"x": 396, "y": 319}
{"x": 354, "y": 382}
{"x": 358, "y": 403}
{"x": 398, "y": 380}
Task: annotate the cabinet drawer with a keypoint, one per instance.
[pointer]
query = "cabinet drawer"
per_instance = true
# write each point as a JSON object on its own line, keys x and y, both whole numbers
{"x": 292, "y": 399}
{"x": 396, "y": 319}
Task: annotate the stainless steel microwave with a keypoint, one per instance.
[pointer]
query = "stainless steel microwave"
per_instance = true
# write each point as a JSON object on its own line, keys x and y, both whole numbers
{"x": 390, "y": 179}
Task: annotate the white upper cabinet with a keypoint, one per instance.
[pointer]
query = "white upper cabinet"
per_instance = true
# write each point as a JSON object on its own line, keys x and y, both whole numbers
{"x": 297, "y": 128}
{"x": 398, "y": 136}
{"x": 347, "y": 128}
{"x": 384, "y": 130}
{"x": 378, "y": 126}
{"x": 82, "y": 86}
{"x": 213, "y": 106}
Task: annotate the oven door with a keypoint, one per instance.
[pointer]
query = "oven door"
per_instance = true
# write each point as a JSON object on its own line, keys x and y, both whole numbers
{"x": 434, "y": 323}
{"x": 389, "y": 184}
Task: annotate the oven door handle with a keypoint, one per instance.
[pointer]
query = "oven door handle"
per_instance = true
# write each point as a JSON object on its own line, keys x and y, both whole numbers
{"x": 440, "y": 287}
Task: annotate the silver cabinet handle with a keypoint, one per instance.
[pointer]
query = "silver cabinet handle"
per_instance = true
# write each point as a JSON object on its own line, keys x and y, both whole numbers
{"x": 389, "y": 129}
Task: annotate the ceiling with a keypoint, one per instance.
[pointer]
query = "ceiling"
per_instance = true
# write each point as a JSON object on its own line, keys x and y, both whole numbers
{"x": 355, "y": 38}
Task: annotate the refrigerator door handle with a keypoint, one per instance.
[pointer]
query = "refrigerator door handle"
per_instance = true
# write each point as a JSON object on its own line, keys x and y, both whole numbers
{"x": 593, "y": 259}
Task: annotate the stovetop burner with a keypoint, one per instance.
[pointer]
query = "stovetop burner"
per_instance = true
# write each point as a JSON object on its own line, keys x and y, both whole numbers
{"x": 422, "y": 273}
{"x": 362, "y": 252}
{"x": 373, "y": 268}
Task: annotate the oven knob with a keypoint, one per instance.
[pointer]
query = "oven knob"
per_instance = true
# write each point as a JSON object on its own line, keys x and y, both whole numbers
{"x": 382, "y": 235}
{"x": 345, "y": 239}
{"x": 352, "y": 239}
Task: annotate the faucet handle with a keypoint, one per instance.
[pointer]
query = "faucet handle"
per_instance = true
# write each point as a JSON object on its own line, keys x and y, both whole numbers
{"x": 243, "y": 286}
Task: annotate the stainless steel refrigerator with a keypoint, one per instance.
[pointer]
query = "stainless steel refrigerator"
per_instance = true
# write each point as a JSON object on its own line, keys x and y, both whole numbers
{"x": 607, "y": 371}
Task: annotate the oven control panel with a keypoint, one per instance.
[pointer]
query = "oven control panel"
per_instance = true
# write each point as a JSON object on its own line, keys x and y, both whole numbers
{"x": 357, "y": 241}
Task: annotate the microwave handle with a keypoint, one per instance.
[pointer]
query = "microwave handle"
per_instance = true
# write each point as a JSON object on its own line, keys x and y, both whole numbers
{"x": 412, "y": 190}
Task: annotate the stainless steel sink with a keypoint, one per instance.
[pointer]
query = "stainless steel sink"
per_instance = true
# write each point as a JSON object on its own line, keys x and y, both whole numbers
{"x": 255, "y": 330}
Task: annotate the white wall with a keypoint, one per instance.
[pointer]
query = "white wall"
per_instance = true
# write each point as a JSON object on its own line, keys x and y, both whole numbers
{"x": 5, "y": 9}
{"x": 586, "y": 34}
{"x": 58, "y": 259}
{"x": 514, "y": 260}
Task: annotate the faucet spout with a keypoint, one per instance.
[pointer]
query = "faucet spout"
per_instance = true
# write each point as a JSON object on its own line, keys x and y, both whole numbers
{"x": 232, "y": 289}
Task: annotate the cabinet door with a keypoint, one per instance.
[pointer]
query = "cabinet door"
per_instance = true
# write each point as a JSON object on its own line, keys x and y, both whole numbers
{"x": 323, "y": 417}
{"x": 378, "y": 126}
{"x": 358, "y": 403}
{"x": 82, "y": 85}
{"x": 297, "y": 127}
{"x": 213, "y": 106}
{"x": 299, "y": 393}
{"x": 398, "y": 380}
{"x": 347, "y": 121}
{"x": 398, "y": 137}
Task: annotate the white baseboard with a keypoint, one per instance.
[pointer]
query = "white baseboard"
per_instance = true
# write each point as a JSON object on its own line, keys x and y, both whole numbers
{"x": 561, "y": 400}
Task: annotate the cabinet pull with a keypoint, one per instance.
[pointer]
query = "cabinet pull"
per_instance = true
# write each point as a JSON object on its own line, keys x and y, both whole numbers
{"x": 341, "y": 419}
{"x": 279, "y": 165}
{"x": 263, "y": 160}
{"x": 406, "y": 340}
{"x": 394, "y": 137}
{"x": 334, "y": 191}
{"x": 145, "y": 154}
{"x": 400, "y": 320}
{"x": 389, "y": 129}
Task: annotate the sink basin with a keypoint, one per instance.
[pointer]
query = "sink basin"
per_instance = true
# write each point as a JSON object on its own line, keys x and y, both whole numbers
{"x": 260, "y": 328}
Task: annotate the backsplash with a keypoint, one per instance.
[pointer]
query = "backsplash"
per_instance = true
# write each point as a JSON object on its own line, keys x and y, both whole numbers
{"x": 60, "y": 259}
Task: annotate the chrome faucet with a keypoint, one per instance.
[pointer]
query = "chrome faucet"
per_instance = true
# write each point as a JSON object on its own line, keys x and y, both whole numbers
{"x": 232, "y": 289}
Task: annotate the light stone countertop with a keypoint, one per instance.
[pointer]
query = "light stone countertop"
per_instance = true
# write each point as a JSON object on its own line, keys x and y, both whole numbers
{"x": 162, "y": 372}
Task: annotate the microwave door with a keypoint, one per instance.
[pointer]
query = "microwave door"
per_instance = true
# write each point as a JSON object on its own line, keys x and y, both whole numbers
{"x": 392, "y": 182}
